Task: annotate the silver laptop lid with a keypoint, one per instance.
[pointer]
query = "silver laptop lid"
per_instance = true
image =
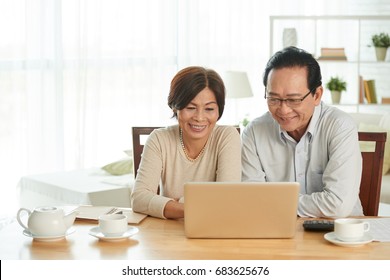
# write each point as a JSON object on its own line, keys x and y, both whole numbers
{"x": 240, "y": 210}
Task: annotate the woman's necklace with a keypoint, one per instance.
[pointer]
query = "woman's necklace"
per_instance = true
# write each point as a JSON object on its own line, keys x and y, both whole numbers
{"x": 184, "y": 148}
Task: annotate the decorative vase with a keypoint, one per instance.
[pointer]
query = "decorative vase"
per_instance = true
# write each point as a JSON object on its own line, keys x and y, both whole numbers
{"x": 336, "y": 96}
{"x": 380, "y": 53}
{"x": 289, "y": 37}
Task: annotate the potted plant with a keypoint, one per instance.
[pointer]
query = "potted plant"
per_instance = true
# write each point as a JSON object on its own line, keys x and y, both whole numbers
{"x": 381, "y": 43}
{"x": 244, "y": 121}
{"x": 336, "y": 85}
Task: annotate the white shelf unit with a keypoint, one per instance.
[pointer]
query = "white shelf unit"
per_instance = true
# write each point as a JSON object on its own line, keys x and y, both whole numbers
{"x": 353, "y": 33}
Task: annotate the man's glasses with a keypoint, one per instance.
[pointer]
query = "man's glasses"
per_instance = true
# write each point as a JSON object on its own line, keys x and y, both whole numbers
{"x": 290, "y": 102}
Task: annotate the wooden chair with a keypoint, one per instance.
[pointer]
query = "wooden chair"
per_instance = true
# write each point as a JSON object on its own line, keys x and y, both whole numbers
{"x": 371, "y": 181}
{"x": 138, "y": 146}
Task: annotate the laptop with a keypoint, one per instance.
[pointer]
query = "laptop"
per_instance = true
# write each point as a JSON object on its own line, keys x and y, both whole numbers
{"x": 240, "y": 210}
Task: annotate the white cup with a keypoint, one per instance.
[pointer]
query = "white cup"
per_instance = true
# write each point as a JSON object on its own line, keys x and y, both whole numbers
{"x": 113, "y": 224}
{"x": 350, "y": 229}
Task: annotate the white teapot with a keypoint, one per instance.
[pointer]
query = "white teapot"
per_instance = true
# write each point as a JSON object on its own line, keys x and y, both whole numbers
{"x": 47, "y": 221}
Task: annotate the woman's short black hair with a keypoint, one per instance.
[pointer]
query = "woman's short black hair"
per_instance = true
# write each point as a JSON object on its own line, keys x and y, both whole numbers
{"x": 189, "y": 81}
{"x": 294, "y": 57}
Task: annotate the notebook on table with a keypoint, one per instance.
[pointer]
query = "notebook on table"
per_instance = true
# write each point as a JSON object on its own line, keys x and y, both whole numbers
{"x": 240, "y": 210}
{"x": 90, "y": 212}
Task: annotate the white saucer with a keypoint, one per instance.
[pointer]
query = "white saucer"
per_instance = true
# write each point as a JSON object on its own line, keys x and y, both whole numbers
{"x": 95, "y": 231}
{"x": 331, "y": 237}
{"x": 48, "y": 238}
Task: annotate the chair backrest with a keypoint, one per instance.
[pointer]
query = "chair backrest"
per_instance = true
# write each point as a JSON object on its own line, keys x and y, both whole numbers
{"x": 138, "y": 146}
{"x": 371, "y": 181}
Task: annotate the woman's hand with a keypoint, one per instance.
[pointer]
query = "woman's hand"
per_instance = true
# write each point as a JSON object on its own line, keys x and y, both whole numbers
{"x": 174, "y": 210}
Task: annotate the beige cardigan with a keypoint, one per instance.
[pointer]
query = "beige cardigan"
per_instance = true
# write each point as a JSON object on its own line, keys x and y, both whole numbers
{"x": 164, "y": 163}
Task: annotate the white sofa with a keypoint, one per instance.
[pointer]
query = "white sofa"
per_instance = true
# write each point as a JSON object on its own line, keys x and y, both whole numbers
{"x": 378, "y": 122}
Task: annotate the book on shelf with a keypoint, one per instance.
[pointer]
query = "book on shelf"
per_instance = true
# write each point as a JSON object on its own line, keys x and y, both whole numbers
{"x": 370, "y": 91}
{"x": 332, "y": 54}
{"x": 332, "y": 58}
{"x": 333, "y": 51}
{"x": 361, "y": 90}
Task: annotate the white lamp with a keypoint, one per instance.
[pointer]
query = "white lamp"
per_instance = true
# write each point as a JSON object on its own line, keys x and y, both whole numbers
{"x": 237, "y": 86}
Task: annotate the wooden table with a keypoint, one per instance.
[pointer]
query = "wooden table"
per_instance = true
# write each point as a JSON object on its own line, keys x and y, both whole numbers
{"x": 164, "y": 240}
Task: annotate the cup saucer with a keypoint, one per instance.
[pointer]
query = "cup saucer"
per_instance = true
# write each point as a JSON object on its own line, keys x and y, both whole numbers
{"x": 48, "y": 238}
{"x": 331, "y": 237}
{"x": 95, "y": 231}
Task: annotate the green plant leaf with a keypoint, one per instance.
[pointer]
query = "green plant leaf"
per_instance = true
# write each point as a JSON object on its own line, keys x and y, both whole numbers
{"x": 381, "y": 40}
{"x": 336, "y": 83}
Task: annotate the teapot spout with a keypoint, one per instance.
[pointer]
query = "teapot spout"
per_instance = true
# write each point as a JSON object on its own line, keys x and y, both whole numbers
{"x": 69, "y": 219}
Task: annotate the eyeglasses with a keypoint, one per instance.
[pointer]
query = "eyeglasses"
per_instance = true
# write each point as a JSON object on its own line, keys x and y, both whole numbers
{"x": 290, "y": 102}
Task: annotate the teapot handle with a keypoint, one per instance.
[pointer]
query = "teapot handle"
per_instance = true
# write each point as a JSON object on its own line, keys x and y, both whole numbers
{"x": 19, "y": 219}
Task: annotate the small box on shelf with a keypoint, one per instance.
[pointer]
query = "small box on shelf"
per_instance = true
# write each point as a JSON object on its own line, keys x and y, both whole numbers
{"x": 385, "y": 100}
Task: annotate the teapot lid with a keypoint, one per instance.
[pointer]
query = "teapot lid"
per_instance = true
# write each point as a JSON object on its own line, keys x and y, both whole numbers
{"x": 46, "y": 209}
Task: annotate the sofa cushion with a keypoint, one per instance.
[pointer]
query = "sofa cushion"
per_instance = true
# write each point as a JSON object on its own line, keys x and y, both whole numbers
{"x": 120, "y": 167}
{"x": 370, "y": 146}
{"x": 385, "y": 190}
{"x": 385, "y": 122}
{"x": 366, "y": 118}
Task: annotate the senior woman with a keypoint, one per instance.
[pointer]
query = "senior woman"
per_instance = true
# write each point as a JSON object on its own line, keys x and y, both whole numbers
{"x": 195, "y": 149}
